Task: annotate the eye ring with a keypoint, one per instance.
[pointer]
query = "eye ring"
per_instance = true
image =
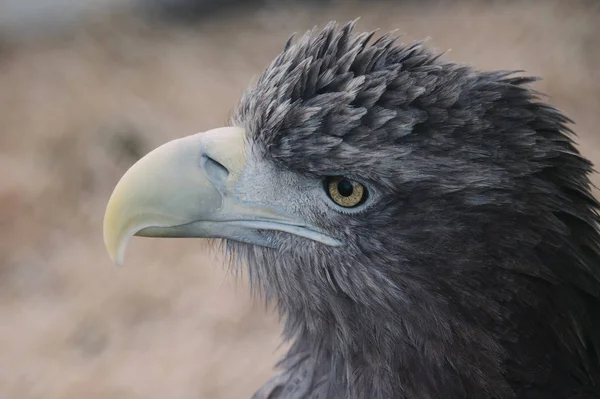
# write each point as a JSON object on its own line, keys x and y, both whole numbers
{"x": 345, "y": 192}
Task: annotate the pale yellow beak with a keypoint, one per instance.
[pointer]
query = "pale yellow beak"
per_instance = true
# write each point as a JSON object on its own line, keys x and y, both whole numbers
{"x": 184, "y": 189}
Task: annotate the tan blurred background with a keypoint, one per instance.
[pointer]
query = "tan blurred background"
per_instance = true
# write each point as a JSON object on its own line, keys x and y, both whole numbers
{"x": 85, "y": 91}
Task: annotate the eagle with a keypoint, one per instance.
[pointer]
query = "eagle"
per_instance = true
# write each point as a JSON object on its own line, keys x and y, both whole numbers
{"x": 425, "y": 229}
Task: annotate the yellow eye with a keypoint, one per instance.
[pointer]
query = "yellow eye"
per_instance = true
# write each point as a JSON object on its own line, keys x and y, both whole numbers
{"x": 346, "y": 192}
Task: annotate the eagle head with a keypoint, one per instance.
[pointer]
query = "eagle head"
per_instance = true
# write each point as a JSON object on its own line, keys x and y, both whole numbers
{"x": 421, "y": 226}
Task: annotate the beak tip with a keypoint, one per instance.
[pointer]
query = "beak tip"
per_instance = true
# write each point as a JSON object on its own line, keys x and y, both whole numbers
{"x": 115, "y": 256}
{"x": 115, "y": 248}
{"x": 117, "y": 259}
{"x": 116, "y": 251}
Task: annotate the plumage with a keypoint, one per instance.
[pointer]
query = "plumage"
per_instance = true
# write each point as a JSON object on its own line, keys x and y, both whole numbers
{"x": 471, "y": 269}
{"x": 475, "y": 272}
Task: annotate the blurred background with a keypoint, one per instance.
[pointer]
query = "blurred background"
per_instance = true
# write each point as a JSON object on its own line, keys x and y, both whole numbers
{"x": 87, "y": 87}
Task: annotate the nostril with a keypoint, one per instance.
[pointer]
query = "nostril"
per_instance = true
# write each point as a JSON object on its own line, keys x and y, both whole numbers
{"x": 216, "y": 172}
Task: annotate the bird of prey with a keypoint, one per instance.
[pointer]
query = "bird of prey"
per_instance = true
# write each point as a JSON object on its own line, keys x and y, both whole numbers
{"x": 426, "y": 230}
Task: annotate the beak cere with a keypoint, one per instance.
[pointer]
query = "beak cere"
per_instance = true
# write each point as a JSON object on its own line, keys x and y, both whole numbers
{"x": 184, "y": 189}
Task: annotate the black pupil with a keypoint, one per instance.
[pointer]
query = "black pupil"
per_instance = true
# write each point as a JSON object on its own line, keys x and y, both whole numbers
{"x": 345, "y": 188}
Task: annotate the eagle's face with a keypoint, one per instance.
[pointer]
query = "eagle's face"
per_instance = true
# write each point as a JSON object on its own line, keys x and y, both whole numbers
{"x": 308, "y": 185}
{"x": 371, "y": 176}
{"x": 303, "y": 233}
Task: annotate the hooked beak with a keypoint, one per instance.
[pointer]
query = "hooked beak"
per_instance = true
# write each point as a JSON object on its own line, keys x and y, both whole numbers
{"x": 184, "y": 189}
